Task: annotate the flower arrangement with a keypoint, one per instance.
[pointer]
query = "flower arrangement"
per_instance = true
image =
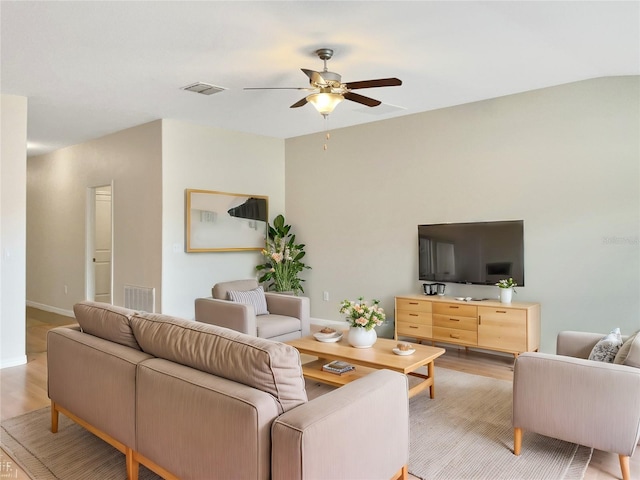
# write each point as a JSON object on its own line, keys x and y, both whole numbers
{"x": 283, "y": 259}
{"x": 361, "y": 314}
{"x": 507, "y": 283}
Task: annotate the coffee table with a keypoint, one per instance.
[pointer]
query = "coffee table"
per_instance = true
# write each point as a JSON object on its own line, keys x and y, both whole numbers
{"x": 368, "y": 360}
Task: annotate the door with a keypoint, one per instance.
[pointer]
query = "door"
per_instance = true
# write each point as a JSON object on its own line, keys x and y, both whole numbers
{"x": 102, "y": 244}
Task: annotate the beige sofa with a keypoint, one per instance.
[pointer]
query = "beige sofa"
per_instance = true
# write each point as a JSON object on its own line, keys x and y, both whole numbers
{"x": 194, "y": 401}
{"x": 288, "y": 316}
{"x": 569, "y": 397}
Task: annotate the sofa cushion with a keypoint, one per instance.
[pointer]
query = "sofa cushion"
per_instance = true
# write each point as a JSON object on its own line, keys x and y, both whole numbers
{"x": 220, "y": 290}
{"x": 605, "y": 350}
{"x": 270, "y": 326}
{"x": 253, "y": 297}
{"x": 629, "y": 353}
{"x": 106, "y": 321}
{"x": 269, "y": 366}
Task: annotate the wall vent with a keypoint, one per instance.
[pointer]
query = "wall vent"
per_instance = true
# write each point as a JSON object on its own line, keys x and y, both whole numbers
{"x": 203, "y": 88}
{"x": 140, "y": 298}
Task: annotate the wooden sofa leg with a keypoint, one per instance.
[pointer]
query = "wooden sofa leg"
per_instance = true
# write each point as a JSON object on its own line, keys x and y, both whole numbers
{"x": 517, "y": 440}
{"x": 624, "y": 466}
{"x": 54, "y": 417}
{"x": 402, "y": 474}
{"x": 133, "y": 467}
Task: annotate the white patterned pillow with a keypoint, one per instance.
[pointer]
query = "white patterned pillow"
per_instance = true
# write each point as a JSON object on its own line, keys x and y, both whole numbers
{"x": 605, "y": 350}
{"x": 253, "y": 297}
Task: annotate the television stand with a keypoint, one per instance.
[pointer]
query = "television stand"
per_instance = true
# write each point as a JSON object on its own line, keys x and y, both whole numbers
{"x": 487, "y": 324}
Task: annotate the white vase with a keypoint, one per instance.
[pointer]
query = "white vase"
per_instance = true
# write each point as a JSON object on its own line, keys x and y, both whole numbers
{"x": 360, "y": 337}
{"x": 505, "y": 295}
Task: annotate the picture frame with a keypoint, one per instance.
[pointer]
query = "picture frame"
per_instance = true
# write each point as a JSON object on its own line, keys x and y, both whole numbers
{"x": 225, "y": 222}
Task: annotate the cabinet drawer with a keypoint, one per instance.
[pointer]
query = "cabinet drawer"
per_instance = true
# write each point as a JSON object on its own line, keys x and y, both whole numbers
{"x": 456, "y": 322}
{"x": 503, "y": 313}
{"x": 455, "y": 309}
{"x": 453, "y": 335}
{"x": 413, "y": 317}
{"x": 413, "y": 330}
{"x": 414, "y": 305}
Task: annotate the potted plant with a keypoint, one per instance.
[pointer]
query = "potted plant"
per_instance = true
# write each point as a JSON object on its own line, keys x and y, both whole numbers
{"x": 506, "y": 289}
{"x": 362, "y": 319}
{"x": 283, "y": 259}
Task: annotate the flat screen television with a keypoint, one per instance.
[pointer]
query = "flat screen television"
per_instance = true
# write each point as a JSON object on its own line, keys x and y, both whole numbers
{"x": 477, "y": 253}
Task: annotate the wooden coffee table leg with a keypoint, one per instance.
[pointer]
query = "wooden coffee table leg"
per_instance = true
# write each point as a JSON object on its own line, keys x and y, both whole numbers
{"x": 427, "y": 382}
{"x": 431, "y": 373}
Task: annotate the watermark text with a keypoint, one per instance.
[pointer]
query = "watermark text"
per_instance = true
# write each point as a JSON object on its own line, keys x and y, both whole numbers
{"x": 628, "y": 240}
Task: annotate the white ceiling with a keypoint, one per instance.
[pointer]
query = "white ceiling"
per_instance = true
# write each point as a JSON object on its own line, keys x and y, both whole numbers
{"x": 90, "y": 68}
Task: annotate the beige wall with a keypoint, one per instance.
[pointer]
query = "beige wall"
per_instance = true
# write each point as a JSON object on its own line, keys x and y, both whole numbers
{"x": 565, "y": 160}
{"x": 150, "y": 166}
{"x": 57, "y": 184}
{"x": 13, "y": 178}
{"x": 207, "y": 158}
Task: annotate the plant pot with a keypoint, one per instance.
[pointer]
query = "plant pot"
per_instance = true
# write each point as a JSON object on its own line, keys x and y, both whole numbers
{"x": 360, "y": 337}
{"x": 505, "y": 295}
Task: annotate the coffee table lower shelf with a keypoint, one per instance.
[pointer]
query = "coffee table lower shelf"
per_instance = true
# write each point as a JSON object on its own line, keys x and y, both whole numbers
{"x": 313, "y": 370}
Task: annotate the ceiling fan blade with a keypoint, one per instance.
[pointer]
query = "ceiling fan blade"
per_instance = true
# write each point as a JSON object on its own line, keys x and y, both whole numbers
{"x": 354, "y": 97}
{"x": 314, "y": 76}
{"x": 299, "y": 103}
{"x": 381, "y": 82}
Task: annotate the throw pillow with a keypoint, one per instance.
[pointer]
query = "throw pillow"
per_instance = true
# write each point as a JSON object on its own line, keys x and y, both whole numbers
{"x": 629, "y": 353}
{"x": 605, "y": 350}
{"x": 253, "y": 297}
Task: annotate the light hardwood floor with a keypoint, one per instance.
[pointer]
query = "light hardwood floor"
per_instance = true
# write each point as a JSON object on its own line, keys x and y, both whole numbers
{"x": 24, "y": 388}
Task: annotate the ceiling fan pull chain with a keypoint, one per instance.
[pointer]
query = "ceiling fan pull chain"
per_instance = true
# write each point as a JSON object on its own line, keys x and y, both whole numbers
{"x": 325, "y": 147}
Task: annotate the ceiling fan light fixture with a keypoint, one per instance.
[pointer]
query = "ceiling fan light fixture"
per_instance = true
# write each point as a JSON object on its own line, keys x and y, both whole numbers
{"x": 324, "y": 103}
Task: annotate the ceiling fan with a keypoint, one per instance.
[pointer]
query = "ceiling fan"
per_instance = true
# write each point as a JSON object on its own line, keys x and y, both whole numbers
{"x": 328, "y": 89}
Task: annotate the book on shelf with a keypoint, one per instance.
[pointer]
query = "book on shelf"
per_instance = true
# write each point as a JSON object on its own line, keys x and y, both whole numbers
{"x": 338, "y": 367}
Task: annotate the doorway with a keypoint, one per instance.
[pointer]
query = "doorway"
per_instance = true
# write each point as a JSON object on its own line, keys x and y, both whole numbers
{"x": 99, "y": 283}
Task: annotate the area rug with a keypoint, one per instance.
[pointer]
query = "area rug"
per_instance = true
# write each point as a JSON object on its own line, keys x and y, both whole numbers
{"x": 464, "y": 433}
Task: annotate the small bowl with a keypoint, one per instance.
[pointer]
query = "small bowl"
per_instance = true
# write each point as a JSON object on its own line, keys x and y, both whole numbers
{"x": 326, "y": 334}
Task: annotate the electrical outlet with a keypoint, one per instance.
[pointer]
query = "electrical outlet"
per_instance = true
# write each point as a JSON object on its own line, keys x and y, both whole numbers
{"x": 325, "y": 296}
{"x": 66, "y": 290}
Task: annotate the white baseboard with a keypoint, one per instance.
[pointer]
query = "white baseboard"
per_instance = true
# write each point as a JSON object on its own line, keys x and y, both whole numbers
{"x": 48, "y": 308}
{"x": 13, "y": 362}
{"x": 322, "y": 321}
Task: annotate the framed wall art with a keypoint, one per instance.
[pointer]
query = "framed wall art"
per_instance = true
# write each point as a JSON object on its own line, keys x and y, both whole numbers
{"x": 225, "y": 222}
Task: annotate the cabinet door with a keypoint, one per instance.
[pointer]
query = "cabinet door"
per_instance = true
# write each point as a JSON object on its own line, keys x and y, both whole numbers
{"x": 503, "y": 329}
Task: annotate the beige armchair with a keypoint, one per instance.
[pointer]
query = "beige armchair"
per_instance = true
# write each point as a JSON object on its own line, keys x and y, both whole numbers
{"x": 288, "y": 316}
{"x": 568, "y": 397}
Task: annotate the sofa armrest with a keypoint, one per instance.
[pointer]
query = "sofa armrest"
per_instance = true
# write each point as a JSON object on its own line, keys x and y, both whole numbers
{"x": 291, "y": 306}
{"x": 576, "y": 344}
{"x": 581, "y": 401}
{"x": 224, "y": 313}
{"x": 325, "y": 437}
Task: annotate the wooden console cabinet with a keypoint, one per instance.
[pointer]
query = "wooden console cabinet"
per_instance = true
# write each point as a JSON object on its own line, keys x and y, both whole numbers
{"x": 513, "y": 328}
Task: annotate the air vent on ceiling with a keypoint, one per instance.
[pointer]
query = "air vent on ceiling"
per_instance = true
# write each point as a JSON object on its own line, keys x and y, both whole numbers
{"x": 203, "y": 88}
